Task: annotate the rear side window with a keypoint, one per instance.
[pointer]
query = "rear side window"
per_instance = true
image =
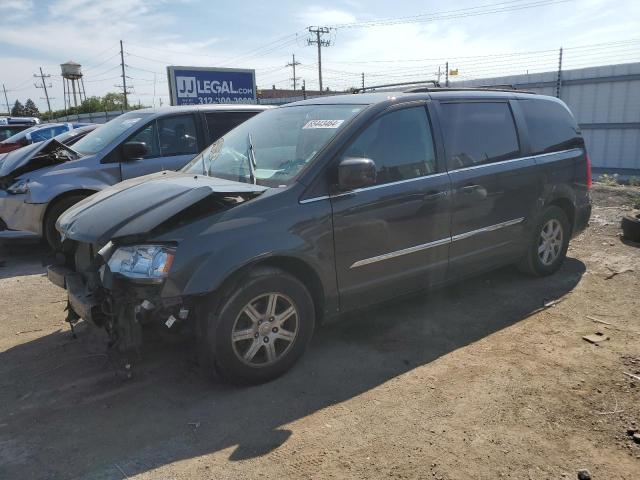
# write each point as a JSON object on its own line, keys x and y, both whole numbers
{"x": 477, "y": 133}
{"x": 220, "y": 123}
{"x": 550, "y": 125}
{"x": 400, "y": 143}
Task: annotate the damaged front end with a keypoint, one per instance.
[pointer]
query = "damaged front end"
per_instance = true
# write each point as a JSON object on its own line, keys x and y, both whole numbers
{"x": 115, "y": 267}
{"x": 99, "y": 292}
{"x": 33, "y": 157}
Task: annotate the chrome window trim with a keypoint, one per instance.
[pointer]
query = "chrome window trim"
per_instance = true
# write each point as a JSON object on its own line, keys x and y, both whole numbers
{"x": 473, "y": 167}
{"x": 314, "y": 199}
{"x": 382, "y": 185}
{"x": 435, "y": 243}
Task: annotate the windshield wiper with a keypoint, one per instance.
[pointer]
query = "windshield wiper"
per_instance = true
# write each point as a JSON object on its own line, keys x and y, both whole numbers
{"x": 252, "y": 160}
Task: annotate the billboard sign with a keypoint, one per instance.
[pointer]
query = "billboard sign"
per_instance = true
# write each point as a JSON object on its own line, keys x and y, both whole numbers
{"x": 200, "y": 85}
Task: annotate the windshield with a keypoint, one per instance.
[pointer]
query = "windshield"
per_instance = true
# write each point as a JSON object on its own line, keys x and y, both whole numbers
{"x": 272, "y": 147}
{"x": 22, "y": 134}
{"x": 95, "y": 141}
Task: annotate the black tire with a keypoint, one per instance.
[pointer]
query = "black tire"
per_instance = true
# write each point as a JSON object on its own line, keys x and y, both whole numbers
{"x": 631, "y": 228}
{"x": 51, "y": 235}
{"x": 220, "y": 315}
{"x": 532, "y": 263}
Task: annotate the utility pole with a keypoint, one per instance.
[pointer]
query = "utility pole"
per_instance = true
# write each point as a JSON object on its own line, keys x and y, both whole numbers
{"x": 43, "y": 78}
{"x": 439, "y": 74}
{"x": 363, "y": 80}
{"x": 124, "y": 77}
{"x": 446, "y": 81}
{"x": 319, "y": 31}
{"x": 293, "y": 64}
{"x": 304, "y": 90}
{"x": 6, "y": 100}
{"x": 559, "y": 79}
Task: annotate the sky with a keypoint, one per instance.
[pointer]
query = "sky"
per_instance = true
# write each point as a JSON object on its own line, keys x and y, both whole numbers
{"x": 387, "y": 41}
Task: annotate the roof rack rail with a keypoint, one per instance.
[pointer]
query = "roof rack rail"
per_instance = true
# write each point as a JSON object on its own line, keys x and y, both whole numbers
{"x": 435, "y": 84}
{"x": 493, "y": 88}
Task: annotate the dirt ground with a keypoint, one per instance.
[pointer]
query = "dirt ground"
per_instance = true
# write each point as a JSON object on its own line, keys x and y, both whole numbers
{"x": 479, "y": 380}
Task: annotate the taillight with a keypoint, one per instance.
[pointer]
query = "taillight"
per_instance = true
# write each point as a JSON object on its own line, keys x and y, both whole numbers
{"x": 589, "y": 180}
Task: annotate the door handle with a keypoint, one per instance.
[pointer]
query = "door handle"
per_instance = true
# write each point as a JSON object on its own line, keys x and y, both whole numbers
{"x": 469, "y": 188}
{"x": 435, "y": 195}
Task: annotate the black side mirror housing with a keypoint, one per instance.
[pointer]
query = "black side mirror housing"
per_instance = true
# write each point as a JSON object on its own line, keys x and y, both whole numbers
{"x": 134, "y": 150}
{"x": 356, "y": 173}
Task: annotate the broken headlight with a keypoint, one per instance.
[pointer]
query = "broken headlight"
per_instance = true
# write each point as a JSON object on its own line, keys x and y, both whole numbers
{"x": 21, "y": 186}
{"x": 143, "y": 263}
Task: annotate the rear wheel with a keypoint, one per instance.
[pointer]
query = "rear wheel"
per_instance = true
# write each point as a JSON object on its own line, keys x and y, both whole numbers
{"x": 260, "y": 329}
{"x": 51, "y": 235}
{"x": 547, "y": 247}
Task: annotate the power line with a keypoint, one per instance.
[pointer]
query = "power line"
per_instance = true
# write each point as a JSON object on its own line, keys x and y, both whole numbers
{"x": 487, "y": 9}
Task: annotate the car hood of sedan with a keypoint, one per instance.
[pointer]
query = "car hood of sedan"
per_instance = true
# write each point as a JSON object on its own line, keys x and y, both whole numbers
{"x": 136, "y": 207}
{"x": 33, "y": 157}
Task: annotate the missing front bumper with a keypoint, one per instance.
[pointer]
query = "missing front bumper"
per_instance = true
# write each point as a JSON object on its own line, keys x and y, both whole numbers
{"x": 123, "y": 311}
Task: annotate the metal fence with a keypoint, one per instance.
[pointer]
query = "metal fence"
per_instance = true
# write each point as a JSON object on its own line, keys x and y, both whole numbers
{"x": 606, "y": 102}
{"x": 95, "y": 117}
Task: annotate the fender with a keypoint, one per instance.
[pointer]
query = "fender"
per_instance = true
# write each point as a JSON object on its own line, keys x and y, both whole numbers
{"x": 240, "y": 241}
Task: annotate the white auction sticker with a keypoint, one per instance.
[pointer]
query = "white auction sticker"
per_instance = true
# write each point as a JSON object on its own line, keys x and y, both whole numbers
{"x": 323, "y": 124}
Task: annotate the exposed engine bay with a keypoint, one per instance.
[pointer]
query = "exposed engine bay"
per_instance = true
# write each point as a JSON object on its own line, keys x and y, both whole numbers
{"x": 124, "y": 303}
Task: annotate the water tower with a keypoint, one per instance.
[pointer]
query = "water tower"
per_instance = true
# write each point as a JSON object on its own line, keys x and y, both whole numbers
{"x": 72, "y": 83}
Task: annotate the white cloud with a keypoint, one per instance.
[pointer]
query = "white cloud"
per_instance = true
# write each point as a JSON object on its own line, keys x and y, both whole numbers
{"x": 14, "y": 10}
{"x": 318, "y": 15}
{"x": 156, "y": 33}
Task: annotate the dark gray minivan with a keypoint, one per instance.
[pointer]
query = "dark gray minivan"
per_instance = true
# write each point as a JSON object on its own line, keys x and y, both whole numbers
{"x": 40, "y": 181}
{"x": 323, "y": 206}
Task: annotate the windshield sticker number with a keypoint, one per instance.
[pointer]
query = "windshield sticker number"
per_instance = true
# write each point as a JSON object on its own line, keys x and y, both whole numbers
{"x": 323, "y": 124}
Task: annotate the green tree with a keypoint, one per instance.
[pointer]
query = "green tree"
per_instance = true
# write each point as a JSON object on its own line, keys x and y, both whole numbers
{"x": 30, "y": 109}
{"x": 91, "y": 105}
{"x": 112, "y": 101}
{"x": 17, "y": 110}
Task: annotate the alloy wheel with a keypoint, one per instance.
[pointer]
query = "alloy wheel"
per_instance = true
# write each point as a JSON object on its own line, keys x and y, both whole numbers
{"x": 550, "y": 242}
{"x": 265, "y": 329}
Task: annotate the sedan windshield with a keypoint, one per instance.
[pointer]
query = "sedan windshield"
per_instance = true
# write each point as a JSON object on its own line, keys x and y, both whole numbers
{"x": 272, "y": 147}
{"x": 22, "y": 134}
{"x": 103, "y": 136}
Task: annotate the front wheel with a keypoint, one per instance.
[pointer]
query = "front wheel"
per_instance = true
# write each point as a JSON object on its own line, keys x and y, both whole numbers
{"x": 51, "y": 235}
{"x": 547, "y": 247}
{"x": 260, "y": 329}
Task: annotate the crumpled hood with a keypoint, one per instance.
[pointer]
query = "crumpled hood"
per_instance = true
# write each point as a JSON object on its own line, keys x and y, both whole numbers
{"x": 136, "y": 207}
{"x": 29, "y": 158}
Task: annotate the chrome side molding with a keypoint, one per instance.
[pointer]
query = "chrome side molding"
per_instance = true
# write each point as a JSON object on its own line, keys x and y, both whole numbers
{"x": 436, "y": 243}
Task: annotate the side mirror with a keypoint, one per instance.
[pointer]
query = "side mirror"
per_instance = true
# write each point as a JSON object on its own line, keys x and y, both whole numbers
{"x": 356, "y": 173}
{"x": 134, "y": 150}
